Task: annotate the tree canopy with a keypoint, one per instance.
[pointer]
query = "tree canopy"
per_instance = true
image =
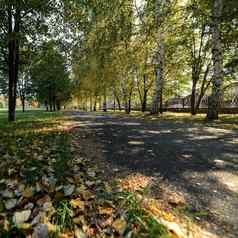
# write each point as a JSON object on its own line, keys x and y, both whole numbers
{"x": 124, "y": 53}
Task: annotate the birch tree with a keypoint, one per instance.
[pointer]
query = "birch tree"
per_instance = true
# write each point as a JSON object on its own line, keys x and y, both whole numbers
{"x": 214, "y": 101}
{"x": 157, "y": 98}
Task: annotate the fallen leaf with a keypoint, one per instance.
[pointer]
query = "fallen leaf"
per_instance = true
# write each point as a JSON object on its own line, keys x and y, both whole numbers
{"x": 105, "y": 210}
{"x": 87, "y": 195}
{"x": 21, "y": 217}
{"x": 28, "y": 192}
{"x": 40, "y": 231}
{"x": 79, "y": 233}
{"x": 10, "y": 203}
{"x": 106, "y": 222}
{"x": 77, "y": 203}
{"x": 79, "y": 220}
{"x": 68, "y": 189}
{"x": 43, "y": 200}
{"x": 119, "y": 225}
{"x": 7, "y": 194}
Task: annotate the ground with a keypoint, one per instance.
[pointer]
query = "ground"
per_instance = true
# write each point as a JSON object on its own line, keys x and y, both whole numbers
{"x": 184, "y": 167}
{"x": 196, "y": 158}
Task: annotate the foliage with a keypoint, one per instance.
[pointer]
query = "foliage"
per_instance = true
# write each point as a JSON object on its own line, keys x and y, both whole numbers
{"x": 50, "y": 77}
{"x": 63, "y": 217}
{"x": 148, "y": 226}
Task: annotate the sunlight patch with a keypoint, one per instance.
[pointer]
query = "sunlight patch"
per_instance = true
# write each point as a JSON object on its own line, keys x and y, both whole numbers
{"x": 217, "y": 131}
{"x": 187, "y": 156}
{"x": 135, "y": 182}
{"x": 234, "y": 141}
{"x": 136, "y": 150}
{"x": 205, "y": 137}
{"x": 154, "y": 132}
{"x": 228, "y": 179}
{"x": 131, "y": 123}
{"x": 134, "y": 142}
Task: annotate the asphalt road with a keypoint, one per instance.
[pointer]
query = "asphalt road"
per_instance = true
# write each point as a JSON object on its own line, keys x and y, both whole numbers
{"x": 198, "y": 159}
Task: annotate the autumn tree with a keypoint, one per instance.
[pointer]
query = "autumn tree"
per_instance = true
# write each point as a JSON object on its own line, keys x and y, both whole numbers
{"x": 19, "y": 21}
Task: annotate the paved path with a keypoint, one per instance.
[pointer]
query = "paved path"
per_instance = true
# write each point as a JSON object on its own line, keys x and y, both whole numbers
{"x": 198, "y": 159}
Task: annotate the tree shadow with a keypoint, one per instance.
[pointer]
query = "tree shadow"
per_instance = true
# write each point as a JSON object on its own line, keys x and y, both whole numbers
{"x": 186, "y": 154}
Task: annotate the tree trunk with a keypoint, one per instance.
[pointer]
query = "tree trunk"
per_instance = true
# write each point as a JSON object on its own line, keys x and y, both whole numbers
{"x": 105, "y": 100}
{"x": 129, "y": 101}
{"x": 118, "y": 102}
{"x": 86, "y": 103}
{"x": 46, "y": 106}
{"x": 100, "y": 103}
{"x": 50, "y": 99}
{"x": 95, "y": 104}
{"x": 193, "y": 95}
{"x": 203, "y": 87}
{"x": 144, "y": 102}
{"x": 214, "y": 100}
{"x": 13, "y": 60}
{"x": 114, "y": 103}
{"x": 157, "y": 93}
{"x": 145, "y": 91}
{"x": 161, "y": 99}
{"x": 54, "y": 103}
{"x": 160, "y": 61}
{"x": 91, "y": 103}
{"x": 58, "y": 106}
{"x": 23, "y": 102}
{"x": 129, "y": 105}
{"x": 126, "y": 107}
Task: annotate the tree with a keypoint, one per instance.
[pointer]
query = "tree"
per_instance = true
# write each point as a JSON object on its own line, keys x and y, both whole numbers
{"x": 214, "y": 101}
{"x": 50, "y": 77}
{"x": 196, "y": 28}
{"x": 161, "y": 11}
{"x": 163, "y": 47}
{"x": 19, "y": 19}
{"x": 25, "y": 89}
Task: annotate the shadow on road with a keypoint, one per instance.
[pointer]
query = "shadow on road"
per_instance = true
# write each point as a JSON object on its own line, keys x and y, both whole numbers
{"x": 199, "y": 159}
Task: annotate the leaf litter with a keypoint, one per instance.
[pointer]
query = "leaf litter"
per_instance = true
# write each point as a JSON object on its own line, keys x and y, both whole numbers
{"x": 48, "y": 189}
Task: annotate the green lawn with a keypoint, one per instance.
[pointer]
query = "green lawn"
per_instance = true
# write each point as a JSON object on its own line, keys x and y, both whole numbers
{"x": 27, "y": 117}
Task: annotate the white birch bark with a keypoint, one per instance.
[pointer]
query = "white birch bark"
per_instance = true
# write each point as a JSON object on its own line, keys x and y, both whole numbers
{"x": 160, "y": 57}
{"x": 215, "y": 98}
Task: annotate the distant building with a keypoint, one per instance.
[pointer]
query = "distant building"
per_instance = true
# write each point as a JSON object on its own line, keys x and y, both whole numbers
{"x": 230, "y": 99}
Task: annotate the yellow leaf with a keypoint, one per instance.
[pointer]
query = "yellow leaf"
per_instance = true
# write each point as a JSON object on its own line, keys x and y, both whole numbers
{"x": 28, "y": 192}
{"x": 119, "y": 225}
{"x": 105, "y": 210}
{"x": 77, "y": 203}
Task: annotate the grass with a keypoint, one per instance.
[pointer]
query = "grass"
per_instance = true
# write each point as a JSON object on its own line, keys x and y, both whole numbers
{"x": 225, "y": 121}
{"x": 31, "y": 141}
{"x": 63, "y": 217}
{"x": 14, "y": 232}
{"x": 29, "y": 147}
{"x": 147, "y": 225}
{"x": 26, "y": 117}
{"x": 192, "y": 213}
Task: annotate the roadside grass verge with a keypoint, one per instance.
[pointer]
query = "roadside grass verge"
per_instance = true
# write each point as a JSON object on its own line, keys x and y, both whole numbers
{"x": 225, "y": 121}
